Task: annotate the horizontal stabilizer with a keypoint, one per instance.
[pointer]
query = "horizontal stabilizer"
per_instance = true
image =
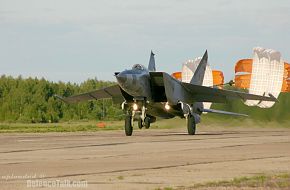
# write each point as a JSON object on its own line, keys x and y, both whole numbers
{"x": 208, "y": 94}
{"x": 223, "y": 112}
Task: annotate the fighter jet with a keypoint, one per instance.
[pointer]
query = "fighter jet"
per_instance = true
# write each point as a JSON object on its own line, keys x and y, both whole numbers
{"x": 145, "y": 94}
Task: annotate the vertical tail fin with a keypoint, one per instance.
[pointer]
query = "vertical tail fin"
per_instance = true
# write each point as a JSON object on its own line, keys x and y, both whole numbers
{"x": 151, "y": 66}
{"x": 198, "y": 76}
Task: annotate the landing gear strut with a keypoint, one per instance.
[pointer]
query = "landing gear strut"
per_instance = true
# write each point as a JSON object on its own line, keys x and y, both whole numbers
{"x": 191, "y": 126}
{"x": 136, "y": 114}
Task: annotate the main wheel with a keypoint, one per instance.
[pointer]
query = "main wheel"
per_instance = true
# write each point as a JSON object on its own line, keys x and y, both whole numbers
{"x": 191, "y": 126}
{"x": 128, "y": 126}
{"x": 140, "y": 123}
{"x": 147, "y": 122}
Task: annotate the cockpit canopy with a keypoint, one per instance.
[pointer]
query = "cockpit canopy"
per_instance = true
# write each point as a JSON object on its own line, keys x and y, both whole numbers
{"x": 138, "y": 67}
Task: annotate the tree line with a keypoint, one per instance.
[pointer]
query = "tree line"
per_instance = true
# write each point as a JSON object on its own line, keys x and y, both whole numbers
{"x": 32, "y": 100}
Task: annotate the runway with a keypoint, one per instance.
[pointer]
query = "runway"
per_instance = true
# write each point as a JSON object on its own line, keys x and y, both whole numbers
{"x": 148, "y": 160}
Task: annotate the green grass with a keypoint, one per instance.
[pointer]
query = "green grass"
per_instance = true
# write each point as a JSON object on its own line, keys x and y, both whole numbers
{"x": 79, "y": 126}
{"x": 279, "y": 113}
{"x": 230, "y": 121}
{"x": 165, "y": 188}
{"x": 210, "y": 121}
{"x": 258, "y": 181}
{"x": 59, "y": 127}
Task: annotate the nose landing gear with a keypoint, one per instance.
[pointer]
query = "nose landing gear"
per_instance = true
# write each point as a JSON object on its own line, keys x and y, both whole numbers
{"x": 136, "y": 114}
{"x": 145, "y": 123}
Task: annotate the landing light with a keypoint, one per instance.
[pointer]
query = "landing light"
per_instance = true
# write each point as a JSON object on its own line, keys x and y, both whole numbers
{"x": 135, "y": 107}
{"x": 167, "y": 106}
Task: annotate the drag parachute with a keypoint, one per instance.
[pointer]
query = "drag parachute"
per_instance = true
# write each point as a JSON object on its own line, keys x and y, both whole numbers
{"x": 211, "y": 77}
{"x": 177, "y": 75}
{"x": 188, "y": 69}
{"x": 243, "y": 75}
{"x": 218, "y": 78}
{"x": 262, "y": 75}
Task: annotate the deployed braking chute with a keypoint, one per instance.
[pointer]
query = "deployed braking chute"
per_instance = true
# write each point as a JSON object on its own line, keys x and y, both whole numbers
{"x": 265, "y": 74}
{"x": 188, "y": 70}
{"x": 212, "y": 78}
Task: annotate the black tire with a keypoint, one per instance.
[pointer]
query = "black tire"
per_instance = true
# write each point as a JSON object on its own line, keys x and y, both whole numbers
{"x": 147, "y": 122}
{"x": 140, "y": 123}
{"x": 128, "y": 126}
{"x": 191, "y": 126}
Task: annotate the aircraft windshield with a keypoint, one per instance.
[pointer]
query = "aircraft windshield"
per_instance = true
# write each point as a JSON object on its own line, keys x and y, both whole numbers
{"x": 138, "y": 67}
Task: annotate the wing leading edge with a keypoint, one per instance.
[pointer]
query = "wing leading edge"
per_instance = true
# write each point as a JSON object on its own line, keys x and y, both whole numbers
{"x": 113, "y": 92}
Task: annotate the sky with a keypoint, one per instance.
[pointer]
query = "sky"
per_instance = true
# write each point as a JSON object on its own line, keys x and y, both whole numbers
{"x": 73, "y": 40}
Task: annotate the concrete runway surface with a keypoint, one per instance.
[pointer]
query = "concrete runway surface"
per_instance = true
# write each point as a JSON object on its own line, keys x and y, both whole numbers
{"x": 148, "y": 160}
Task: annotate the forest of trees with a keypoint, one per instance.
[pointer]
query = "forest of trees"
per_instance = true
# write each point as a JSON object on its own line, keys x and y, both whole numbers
{"x": 32, "y": 100}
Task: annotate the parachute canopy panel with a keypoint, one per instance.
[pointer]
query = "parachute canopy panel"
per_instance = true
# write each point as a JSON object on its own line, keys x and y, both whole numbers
{"x": 243, "y": 81}
{"x": 218, "y": 77}
{"x": 244, "y": 65}
{"x": 177, "y": 75}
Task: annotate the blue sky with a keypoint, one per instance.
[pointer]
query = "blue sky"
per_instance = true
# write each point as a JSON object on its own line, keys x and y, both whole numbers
{"x": 72, "y": 40}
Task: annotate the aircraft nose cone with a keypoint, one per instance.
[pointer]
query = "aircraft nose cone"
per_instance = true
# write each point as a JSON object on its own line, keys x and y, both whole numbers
{"x": 121, "y": 78}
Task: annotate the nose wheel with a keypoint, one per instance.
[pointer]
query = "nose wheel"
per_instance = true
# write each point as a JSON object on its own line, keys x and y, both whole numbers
{"x": 136, "y": 114}
{"x": 140, "y": 123}
{"x": 145, "y": 123}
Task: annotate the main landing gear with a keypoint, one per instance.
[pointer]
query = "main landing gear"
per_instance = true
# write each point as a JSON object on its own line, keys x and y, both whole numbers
{"x": 191, "y": 124}
{"x": 128, "y": 125}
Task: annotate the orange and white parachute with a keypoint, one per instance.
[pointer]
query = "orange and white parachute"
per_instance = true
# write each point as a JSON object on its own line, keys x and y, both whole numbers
{"x": 243, "y": 75}
{"x": 188, "y": 69}
{"x": 177, "y": 75}
{"x": 218, "y": 78}
{"x": 265, "y": 74}
{"x": 211, "y": 77}
{"x": 286, "y": 78}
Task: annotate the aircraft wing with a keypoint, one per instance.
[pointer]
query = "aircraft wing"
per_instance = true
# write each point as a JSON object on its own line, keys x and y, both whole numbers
{"x": 175, "y": 91}
{"x": 113, "y": 92}
{"x": 208, "y": 94}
